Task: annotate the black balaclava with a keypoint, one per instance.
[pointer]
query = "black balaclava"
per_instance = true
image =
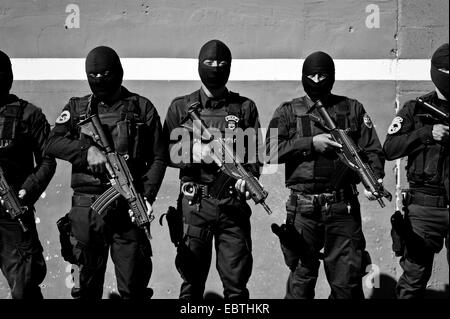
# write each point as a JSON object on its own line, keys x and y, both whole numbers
{"x": 6, "y": 75}
{"x": 214, "y": 77}
{"x": 318, "y": 63}
{"x": 439, "y": 60}
{"x": 99, "y": 60}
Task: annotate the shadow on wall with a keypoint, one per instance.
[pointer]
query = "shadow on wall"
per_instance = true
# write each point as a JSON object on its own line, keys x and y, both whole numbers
{"x": 387, "y": 290}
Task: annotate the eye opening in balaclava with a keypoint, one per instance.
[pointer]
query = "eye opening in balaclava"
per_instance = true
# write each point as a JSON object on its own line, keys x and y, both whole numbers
{"x": 214, "y": 77}
{"x": 6, "y": 74}
{"x": 105, "y": 62}
{"x": 439, "y": 70}
{"x": 318, "y": 63}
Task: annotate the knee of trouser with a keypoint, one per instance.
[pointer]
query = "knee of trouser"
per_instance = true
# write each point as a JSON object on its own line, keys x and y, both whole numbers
{"x": 434, "y": 243}
{"x": 86, "y": 226}
{"x": 419, "y": 255}
{"x": 187, "y": 261}
{"x": 91, "y": 258}
{"x": 144, "y": 245}
{"x": 32, "y": 259}
{"x": 294, "y": 247}
{"x": 291, "y": 257}
{"x": 30, "y": 273}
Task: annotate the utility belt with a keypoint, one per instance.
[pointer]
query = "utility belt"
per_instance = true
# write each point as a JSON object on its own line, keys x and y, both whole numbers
{"x": 312, "y": 204}
{"x": 411, "y": 196}
{"x": 318, "y": 200}
{"x": 86, "y": 200}
{"x": 194, "y": 192}
{"x": 402, "y": 233}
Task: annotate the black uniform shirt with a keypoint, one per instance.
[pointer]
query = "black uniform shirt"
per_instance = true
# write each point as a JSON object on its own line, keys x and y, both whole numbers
{"x": 410, "y": 134}
{"x": 306, "y": 169}
{"x": 23, "y": 161}
{"x": 201, "y": 172}
{"x": 65, "y": 143}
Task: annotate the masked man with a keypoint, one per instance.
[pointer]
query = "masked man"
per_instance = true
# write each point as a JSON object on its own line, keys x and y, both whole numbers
{"x": 323, "y": 208}
{"x": 23, "y": 132}
{"x": 213, "y": 205}
{"x": 133, "y": 125}
{"x": 417, "y": 133}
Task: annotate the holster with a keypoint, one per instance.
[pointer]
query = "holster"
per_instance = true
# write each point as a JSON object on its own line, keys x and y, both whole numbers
{"x": 398, "y": 226}
{"x": 397, "y": 223}
{"x": 294, "y": 246}
{"x": 64, "y": 228}
{"x": 401, "y": 231}
{"x": 174, "y": 218}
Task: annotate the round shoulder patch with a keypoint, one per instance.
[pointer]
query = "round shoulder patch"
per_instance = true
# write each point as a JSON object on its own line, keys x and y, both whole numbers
{"x": 396, "y": 125}
{"x": 63, "y": 118}
{"x": 367, "y": 121}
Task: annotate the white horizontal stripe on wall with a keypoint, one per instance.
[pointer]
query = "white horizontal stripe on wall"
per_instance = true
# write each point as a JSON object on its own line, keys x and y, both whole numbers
{"x": 167, "y": 69}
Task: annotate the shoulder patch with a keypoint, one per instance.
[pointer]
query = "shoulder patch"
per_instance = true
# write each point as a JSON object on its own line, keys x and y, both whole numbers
{"x": 396, "y": 125}
{"x": 63, "y": 118}
{"x": 367, "y": 121}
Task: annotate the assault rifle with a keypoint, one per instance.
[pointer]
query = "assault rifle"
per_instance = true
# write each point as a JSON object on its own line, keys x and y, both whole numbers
{"x": 11, "y": 202}
{"x": 232, "y": 165}
{"x": 436, "y": 114}
{"x": 350, "y": 155}
{"x": 119, "y": 177}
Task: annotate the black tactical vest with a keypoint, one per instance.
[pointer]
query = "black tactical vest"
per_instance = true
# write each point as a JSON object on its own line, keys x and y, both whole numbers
{"x": 426, "y": 167}
{"x": 318, "y": 168}
{"x": 14, "y": 150}
{"x": 125, "y": 129}
{"x": 10, "y": 116}
{"x": 227, "y": 117}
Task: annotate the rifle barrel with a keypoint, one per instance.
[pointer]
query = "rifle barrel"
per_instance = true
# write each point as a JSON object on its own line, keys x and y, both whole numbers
{"x": 441, "y": 115}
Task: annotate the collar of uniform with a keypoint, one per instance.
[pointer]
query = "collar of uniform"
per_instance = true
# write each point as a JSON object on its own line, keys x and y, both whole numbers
{"x": 309, "y": 102}
{"x": 329, "y": 101}
{"x": 437, "y": 101}
{"x": 11, "y": 98}
{"x": 215, "y": 102}
{"x": 124, "y": 95}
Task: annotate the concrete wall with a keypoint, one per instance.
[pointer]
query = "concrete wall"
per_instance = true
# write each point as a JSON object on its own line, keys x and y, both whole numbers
{"x": 408, "y": 29}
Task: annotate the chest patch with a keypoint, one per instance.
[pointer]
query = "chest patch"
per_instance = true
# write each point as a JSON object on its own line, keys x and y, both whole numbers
{"x": 396, "y": 125}
{"x": 367, "y": 121}
{"x": 232, "y": 121}
{"x": 63, "y": 118}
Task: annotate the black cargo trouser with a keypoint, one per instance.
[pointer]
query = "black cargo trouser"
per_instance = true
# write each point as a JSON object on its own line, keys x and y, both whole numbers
{"x": 432, "y": 226}
{"x": 21, "y": 259}
{"x": 337, "y": 229}
{"x": 228, "y": 222}
{"x": 93, "y": 236}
